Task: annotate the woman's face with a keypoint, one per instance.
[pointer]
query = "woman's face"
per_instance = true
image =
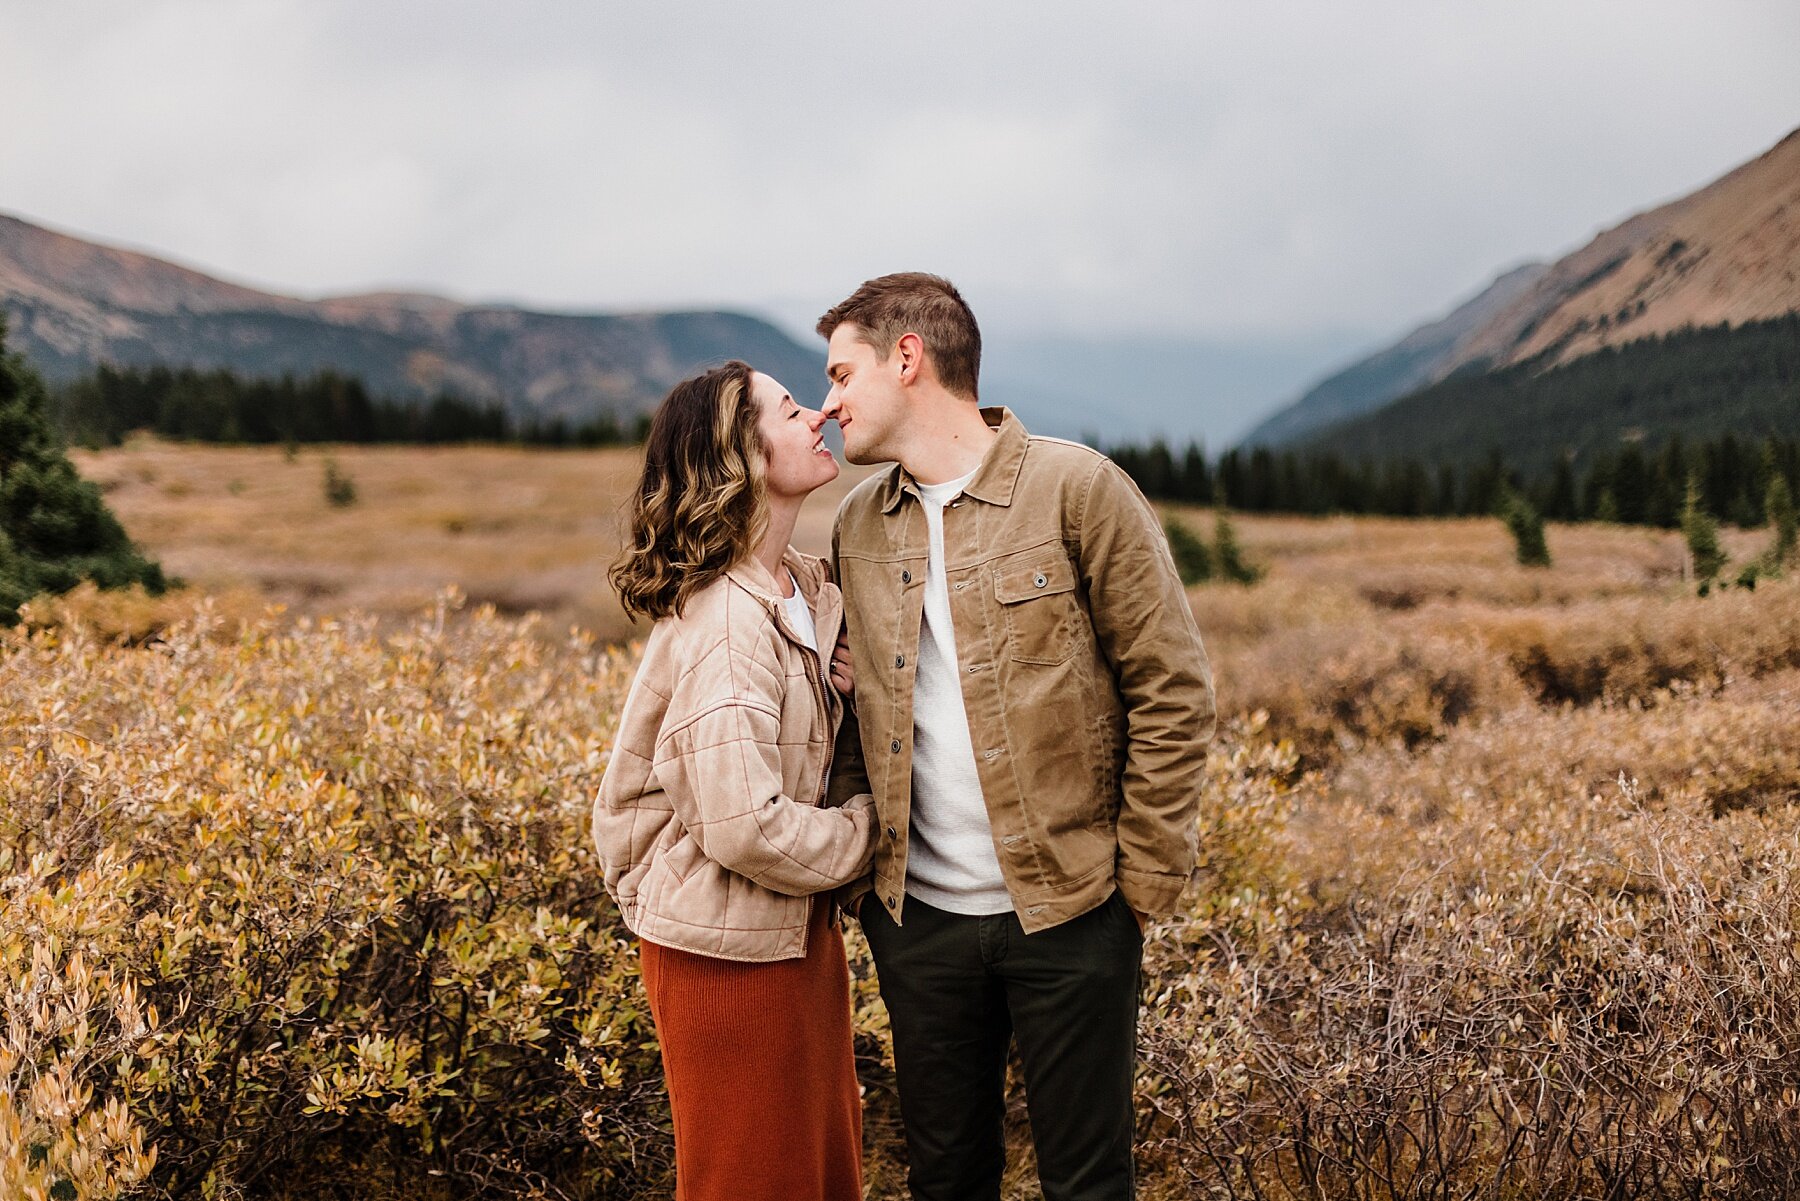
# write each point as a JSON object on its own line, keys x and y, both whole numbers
{"x": 795, "y": 454}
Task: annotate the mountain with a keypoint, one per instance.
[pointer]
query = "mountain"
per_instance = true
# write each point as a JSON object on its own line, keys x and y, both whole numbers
{"x": 1696, "y": 385}
{"x": 1413, "y": 362}
{"x": 1724, "y": 255}
{"x": 71, "y": 304}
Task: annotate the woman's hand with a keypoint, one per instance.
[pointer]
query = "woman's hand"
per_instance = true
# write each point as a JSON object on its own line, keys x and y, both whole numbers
{"x": 843, "y": 674}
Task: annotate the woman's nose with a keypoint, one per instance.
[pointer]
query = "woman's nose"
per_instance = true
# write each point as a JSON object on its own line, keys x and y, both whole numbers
{"x": 815, "y": 418}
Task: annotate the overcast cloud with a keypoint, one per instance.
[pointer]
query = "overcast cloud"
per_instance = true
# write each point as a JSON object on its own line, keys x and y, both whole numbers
{"x": 1304, "y": 173}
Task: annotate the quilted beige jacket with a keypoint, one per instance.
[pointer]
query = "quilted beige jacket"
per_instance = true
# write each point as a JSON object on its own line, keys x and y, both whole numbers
{"x": 712, "y": 821}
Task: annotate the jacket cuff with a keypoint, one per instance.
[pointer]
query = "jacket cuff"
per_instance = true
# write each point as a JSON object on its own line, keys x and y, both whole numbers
{"x": 853, "y": 892}
{"x": 1152, "y": 893}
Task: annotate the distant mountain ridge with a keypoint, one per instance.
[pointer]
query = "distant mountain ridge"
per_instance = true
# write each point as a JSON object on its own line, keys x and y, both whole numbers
{"x": 1411, "y": 363}
{"x": 1728, "y": 253}
{"x": 72, "y": 304}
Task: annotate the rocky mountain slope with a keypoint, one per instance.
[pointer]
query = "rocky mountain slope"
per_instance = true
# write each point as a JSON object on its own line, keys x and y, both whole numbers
{"x": 71, "y": 304}
{"x": 1728, "y": 253}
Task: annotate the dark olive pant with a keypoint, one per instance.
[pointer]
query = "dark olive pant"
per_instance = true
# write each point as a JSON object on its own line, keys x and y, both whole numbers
{"x": 957, "y": 990}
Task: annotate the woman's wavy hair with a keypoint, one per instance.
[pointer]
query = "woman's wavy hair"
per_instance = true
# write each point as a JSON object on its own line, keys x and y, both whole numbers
{"x": 700, "y": 504}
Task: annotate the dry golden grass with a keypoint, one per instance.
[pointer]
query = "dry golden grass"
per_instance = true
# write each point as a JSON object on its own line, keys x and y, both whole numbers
{"x": 1498, "y": 894}
{"x": 521, "y": 529}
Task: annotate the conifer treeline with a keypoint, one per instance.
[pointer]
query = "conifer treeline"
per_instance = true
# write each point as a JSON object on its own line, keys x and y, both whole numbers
{"x": 55, "y": 528}
{"x": 1634, "y": 484}
{"x": 221, "y": 406}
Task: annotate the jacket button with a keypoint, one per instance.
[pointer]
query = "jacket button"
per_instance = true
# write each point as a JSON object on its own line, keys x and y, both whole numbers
{"x": 894, "y": 746}
{"x": 892, "y": 833}
{"x": 906, "y": 577}
{"x": 899, "y": 660}
{"x": 1039, "y": 579}
{"x": 890, "y": 902}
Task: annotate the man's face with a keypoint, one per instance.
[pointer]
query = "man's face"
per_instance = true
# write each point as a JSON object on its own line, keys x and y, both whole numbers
{"x": 866, "y": 399}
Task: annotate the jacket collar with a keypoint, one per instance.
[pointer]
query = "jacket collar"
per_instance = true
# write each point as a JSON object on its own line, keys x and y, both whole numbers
{"x": 749, "y": 574}
{"x": 994, "y": 479}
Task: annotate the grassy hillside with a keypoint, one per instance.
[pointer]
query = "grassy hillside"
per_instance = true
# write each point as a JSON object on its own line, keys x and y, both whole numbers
{"x": 1697, "y": 384}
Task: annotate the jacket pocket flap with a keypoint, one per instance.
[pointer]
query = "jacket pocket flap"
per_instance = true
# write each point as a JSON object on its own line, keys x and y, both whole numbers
{"x": 1015, "y": 582}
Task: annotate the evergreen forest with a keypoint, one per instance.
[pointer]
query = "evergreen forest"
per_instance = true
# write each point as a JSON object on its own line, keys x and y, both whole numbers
{"x": 1613, "y": 436}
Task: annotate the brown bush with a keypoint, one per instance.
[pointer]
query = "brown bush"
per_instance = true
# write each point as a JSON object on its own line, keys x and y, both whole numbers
{"x": 321, "y": 915}
{"x": 1332, "y": 689}
{"x": 305, "y": 910}
{"x": 1630, "y": 647}
{"x": 1619, "y": 1020}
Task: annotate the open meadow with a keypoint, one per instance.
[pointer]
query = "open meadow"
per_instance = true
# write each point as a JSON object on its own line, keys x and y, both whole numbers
{"x": 1498, "y": 892}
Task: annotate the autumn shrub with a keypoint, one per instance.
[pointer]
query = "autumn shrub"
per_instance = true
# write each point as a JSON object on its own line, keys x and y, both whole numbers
{"x": 1333, "y": 688}
{"x": 1632, "y": 646}
{"x": 347, "y": 880}
{"x": 70, "y": 1015}
{"x": 1551, "y": 954}
{"x": 1619, "y": 1019}
{"x": 1490, "y": 903}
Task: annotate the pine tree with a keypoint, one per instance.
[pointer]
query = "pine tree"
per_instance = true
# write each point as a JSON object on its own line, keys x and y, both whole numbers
{"x": 1778, "y": 503}
{"x": 55, "y": 530}
{"x": 1702, "y": 534}
{"x": 1527, "y": 528}
{"x": 1193, "y": 562}
{"x": 340, "y": 489}
{"x": 1227, "y": 555}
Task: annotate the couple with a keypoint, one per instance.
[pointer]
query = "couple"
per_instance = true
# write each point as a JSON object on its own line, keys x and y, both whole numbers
{"x": 996, "y": 772}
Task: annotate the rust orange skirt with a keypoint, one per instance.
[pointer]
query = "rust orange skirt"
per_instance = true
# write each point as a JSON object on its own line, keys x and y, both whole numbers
{"x": 760, "y": 1073}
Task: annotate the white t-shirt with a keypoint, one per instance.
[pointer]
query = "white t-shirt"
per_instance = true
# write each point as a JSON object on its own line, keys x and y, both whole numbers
{"x": 950, "y": 861}
{"x": 799, "y": 615}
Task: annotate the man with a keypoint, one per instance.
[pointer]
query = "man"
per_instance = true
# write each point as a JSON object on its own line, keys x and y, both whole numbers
{"x": 1034, "y": 705}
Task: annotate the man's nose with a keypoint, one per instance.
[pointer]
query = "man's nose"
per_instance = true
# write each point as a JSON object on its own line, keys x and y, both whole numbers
{"x": 833, "y": 403}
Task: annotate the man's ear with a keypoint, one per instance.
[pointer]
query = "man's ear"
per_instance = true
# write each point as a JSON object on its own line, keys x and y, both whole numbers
{"x": 909, "y": 351}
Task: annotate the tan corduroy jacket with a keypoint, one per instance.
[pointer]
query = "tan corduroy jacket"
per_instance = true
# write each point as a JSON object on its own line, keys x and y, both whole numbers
{"x": 1089, "y": 696}
{"x": 709, "y": 821}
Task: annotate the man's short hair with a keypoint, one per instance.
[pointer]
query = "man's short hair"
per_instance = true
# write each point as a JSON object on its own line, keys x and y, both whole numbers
{"x": 913, "y": 302}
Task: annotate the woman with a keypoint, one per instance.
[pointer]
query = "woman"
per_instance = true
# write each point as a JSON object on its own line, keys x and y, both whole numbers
{"x": 718, "y": 842}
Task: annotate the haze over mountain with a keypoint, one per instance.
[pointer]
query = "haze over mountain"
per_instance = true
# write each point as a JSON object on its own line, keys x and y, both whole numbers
{"x": 71, "y": 304}
{"x": 1727, "y": 253}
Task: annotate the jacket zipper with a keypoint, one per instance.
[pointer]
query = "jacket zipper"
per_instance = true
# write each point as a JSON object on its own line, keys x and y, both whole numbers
{"x": 830, "y": 748}
{"x": 825, "y": 709}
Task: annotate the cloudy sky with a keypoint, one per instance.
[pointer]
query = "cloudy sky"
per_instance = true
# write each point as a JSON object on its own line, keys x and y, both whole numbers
{"x": 1259, "y": 189}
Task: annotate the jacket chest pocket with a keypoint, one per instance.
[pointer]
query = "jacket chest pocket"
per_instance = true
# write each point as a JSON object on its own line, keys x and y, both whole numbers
{"x": 1037, "y": 594}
